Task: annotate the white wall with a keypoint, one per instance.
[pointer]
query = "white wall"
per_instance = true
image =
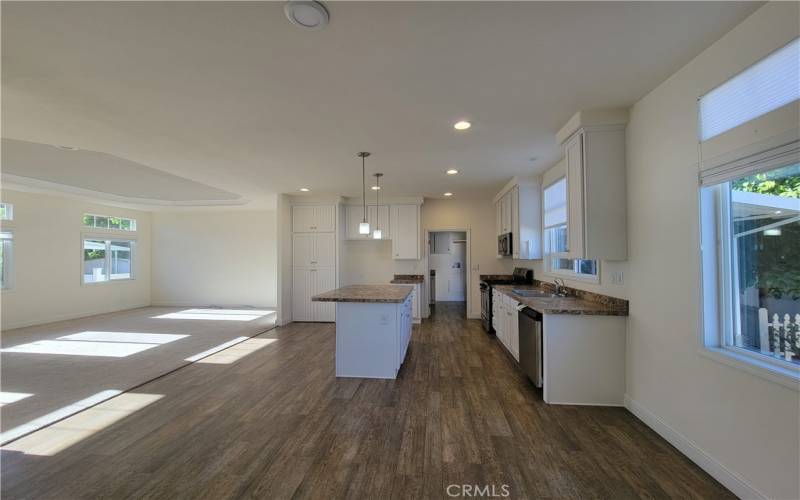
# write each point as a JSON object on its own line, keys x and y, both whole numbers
{"x": 226, "y": 258}
{"x": 47, "y": 261}
{"x": 741, "y": 427}
{"x": 476, "y": 214}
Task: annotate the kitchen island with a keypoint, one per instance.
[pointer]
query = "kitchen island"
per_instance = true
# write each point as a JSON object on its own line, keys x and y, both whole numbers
{"x": 373, "y": 328}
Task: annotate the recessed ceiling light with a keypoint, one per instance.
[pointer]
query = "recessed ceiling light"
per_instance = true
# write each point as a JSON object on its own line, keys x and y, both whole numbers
{"x": 307, "y": 14}
{"x": 452, "y": 171}
{"x": 67, "y": 148}
{"x": 462, "y": 125}
{"x": 375, "y": 188}
{"x": 305, "y": 190}
{"x": 448, "y": 194}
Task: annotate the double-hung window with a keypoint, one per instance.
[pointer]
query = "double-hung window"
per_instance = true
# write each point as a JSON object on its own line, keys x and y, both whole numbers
{"x": 750, "y": 217}
{"x": 557, "y": 259}
{"x": 107, "y": 259}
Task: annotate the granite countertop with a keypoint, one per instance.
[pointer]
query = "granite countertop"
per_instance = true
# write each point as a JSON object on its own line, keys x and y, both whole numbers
{"x": 366, "y": 293}
{"x": 408, "y": 279}
{"x": 600, "y": 305}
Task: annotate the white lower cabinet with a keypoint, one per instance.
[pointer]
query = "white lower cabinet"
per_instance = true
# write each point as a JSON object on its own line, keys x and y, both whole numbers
{"x": 307, "y": 282}
{"x": 505, "y": 319}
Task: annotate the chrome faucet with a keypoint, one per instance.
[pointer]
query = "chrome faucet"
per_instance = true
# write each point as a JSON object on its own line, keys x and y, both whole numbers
{"x": 561, "y": 289}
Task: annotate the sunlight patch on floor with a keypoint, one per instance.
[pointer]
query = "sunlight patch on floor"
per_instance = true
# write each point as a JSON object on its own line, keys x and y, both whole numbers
{"x": 209, "y": 352}
{"x": 80, "y": 348}
{"x": 64, "y": 412}
{"x": 63, "y": 434}
{"x": 237, "y": 352}
{"x": 6, "y": 398}
{"x": 218, "y": 314}
{"x": 130, "y": 337}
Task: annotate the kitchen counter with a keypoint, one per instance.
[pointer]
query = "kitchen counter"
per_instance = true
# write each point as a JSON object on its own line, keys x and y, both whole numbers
{"x": 408, "y": 279}
{"x": 396, "y": 294}
{"x": 599, "y": 305}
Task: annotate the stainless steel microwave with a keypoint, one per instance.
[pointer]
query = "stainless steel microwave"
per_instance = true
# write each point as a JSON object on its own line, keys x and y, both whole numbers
{"x": 504, "y": 246}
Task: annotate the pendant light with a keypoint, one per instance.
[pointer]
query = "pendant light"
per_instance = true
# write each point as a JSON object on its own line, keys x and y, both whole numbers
{"x": 363, "y": 228}
{"x": 377, "y": 234}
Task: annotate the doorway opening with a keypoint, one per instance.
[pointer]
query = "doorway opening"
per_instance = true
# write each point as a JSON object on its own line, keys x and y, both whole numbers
{"x": 448, "y": 251}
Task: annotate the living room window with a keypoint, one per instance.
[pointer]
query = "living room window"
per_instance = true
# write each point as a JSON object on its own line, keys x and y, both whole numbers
{"x": 107, "y": 259}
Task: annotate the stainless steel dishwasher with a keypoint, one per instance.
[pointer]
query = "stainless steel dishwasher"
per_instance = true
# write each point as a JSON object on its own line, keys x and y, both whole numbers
{"x": 530, "y": 345}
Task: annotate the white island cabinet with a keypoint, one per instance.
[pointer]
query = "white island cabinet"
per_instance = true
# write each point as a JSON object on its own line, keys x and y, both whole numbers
{"x": 373, "y": 329}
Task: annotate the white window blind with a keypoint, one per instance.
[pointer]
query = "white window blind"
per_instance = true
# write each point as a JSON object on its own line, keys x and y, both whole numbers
{"x": 763, "y": 87}
{"x": 555, "y": 203}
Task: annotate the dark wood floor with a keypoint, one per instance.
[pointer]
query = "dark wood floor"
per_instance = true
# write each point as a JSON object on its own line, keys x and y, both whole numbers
{"x": 278, "y": 424}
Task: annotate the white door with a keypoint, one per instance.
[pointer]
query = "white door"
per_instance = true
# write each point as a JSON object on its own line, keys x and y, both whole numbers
{"x": 301, "y": 295}
{"x": 303, "y": 250}
{"x": 324, "y": 281}
{"x": 324, "y": 250}
{"x": 303, "y": 219}
{"x": 405, "y": 232}
{"x": 457, "y": 279}
{"x": 574, "y": 154}
{"x": 324, "y": 218}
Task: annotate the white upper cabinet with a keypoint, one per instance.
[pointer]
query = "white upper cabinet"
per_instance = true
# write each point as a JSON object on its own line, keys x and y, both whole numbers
{"x": 594, "y": 151}
{"x": 405, "y": 225}
{"x": 313, "y": 218}
{"x": 314, "y": 250}
{"x": 303, "y": 249}
{"x": 518, "y": 210}
{"x": 377, "y": 215}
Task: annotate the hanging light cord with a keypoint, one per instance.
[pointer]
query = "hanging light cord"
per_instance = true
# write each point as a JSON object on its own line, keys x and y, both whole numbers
{"x": 364, "y": 186}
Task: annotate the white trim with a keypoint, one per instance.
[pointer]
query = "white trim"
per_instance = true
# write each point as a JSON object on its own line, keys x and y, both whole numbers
{"x": 8, "y": 261}
{"x": 753, "y": 365}
{"x": 738, "y": 485}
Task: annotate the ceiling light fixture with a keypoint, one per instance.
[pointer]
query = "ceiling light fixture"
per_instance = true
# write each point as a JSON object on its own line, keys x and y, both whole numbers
{"x": 452, "y": 171}
{"x": 448, "y": 194}
{"x": 377, "y": 234}
{"x": 305, "y": 190}
{"x": 376, "y": 188}
{"x": 363, "y": 228}
{"x": 307, "y": 14}
{"x": 462, "y": 125}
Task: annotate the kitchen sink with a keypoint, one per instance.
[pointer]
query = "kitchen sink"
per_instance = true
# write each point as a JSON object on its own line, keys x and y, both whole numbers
{"x": 533, "y": 293}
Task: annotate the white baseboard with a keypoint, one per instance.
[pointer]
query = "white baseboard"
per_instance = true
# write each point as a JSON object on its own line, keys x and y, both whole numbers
{"x": 727, "y": 477}
{"x": 66, "y": 317}
{"x": 196, "y": 305}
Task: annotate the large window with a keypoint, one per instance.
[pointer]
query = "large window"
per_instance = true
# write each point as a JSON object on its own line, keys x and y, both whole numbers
{"x": 759, "y": 260}
{"x": 557, "y": 259}
{"x": 107, "y": 222}
{"x": 107, "y": 259}
{"x": 6, "y": 259}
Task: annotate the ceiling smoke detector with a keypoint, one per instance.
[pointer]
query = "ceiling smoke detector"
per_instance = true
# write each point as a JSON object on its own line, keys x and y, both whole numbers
{"x": 307, "y": 14}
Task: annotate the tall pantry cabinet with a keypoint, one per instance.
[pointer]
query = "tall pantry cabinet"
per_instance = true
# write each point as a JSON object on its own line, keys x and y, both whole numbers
{"x": 313, "y": 261}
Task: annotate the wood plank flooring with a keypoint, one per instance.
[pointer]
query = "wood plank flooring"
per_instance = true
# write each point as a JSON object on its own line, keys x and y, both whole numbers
{"x": 278, "y": 424}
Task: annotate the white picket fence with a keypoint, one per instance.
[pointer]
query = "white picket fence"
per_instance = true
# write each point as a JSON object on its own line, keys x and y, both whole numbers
{"x": 783, "y": 336}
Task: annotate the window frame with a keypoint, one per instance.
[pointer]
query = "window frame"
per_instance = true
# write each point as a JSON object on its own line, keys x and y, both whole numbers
{"x": 548, "y": 256}
{"x": 132, "y": 223}
{"x": 9, "y": 211}
{"x": 8, "y": 263}
{"x": 718, "y": 318}
{"x": 108, "y": 238}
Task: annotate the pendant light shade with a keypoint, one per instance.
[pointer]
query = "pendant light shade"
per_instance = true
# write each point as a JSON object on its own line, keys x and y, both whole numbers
{"x": 363, "y": 228}
{"x": 377, "y": 234}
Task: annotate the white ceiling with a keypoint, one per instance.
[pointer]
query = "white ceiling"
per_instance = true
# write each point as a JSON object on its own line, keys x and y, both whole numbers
{"x": 234, "y": 96}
